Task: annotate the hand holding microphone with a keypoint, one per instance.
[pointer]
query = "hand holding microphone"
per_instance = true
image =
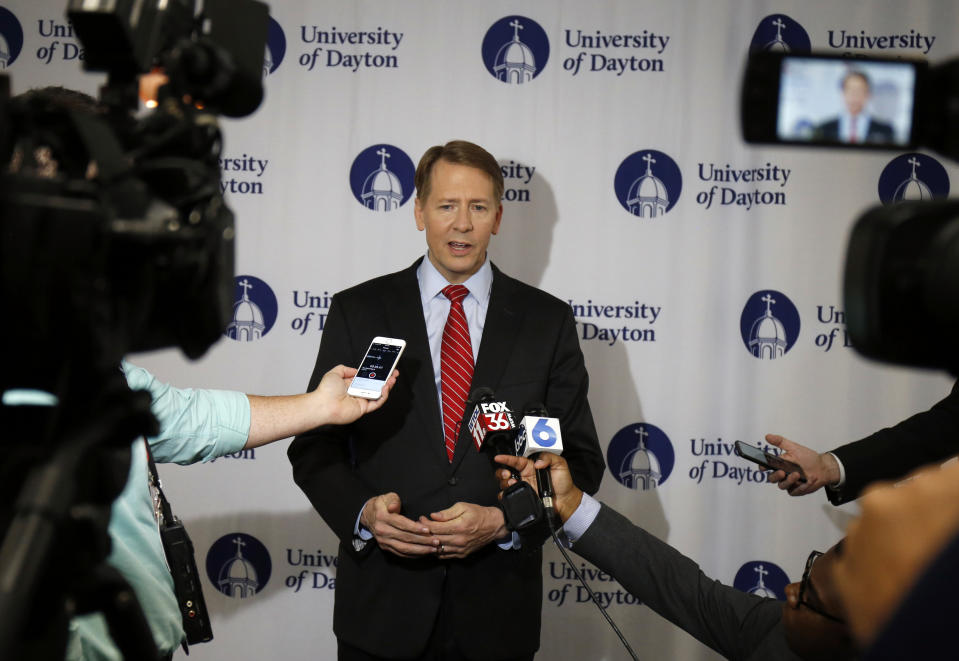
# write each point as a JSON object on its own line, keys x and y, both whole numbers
{"x": 567, "y": 496}
{"x": 540, "y": 434}
{"x": 493, "y": 430}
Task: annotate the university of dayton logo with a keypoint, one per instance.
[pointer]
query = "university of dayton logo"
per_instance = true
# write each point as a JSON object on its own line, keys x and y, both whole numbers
{"x": 11, "y": 38}
{"x": 769, "y": 324}
{"x": 382, "y": 177}
{"x": 515, "y": 50}
{"x": 275, "y": 47}
{"x": 238, "y": 565}
{"x": 640, "y": 456}
{"x": 648, "y": 183}
{"x": 254, "y": 309}
{"x": 913, "y": 177}
{"x": 763, "y": 579}
{"x": 777, "y": 33}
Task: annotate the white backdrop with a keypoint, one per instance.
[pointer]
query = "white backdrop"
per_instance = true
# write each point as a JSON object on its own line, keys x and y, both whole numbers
{"x": 685, "y": 375}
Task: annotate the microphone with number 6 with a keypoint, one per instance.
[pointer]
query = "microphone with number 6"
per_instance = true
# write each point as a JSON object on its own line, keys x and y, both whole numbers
{"x": 540, "y": 433}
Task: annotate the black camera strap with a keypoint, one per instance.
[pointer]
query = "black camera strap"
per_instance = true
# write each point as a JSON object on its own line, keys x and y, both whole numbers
{"x": 181, "y": 561}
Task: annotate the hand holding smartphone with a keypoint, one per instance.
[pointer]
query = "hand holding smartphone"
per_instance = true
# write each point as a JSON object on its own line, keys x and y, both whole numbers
{"x": 768, "y": 460}
{"x": 378, "y": 363}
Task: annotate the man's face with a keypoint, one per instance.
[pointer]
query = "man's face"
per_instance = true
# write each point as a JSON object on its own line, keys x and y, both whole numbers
{"x": 855, "y": 93}
{"x": 810, "y": 634}
{"x": 459, "y": 216}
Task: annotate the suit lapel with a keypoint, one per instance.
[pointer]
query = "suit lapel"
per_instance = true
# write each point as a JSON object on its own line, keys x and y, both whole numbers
{"x": 405, "y": 313}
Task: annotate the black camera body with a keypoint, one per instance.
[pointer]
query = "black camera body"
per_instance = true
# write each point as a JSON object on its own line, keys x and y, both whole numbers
{"x": 114, "y": 238}
{"x": 901, "y": 284}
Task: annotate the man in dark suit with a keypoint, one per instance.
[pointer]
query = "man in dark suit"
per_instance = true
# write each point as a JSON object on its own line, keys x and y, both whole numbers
{"x": 927, "y": 437}
{"x": 427, "y": 568}
{"x": 855, "y": 124}
{"x": 809, "y": 625}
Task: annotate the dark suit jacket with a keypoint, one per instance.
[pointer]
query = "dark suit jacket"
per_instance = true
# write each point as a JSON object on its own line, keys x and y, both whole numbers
{"x": 890, "y": 453}
{"x": 529, "y": 352}
{"x": 735, "y": 624}
{"x": 878, "y": 132}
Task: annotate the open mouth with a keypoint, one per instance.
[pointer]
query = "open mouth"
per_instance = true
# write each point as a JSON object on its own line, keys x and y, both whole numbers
{"x": 456, "y": 246}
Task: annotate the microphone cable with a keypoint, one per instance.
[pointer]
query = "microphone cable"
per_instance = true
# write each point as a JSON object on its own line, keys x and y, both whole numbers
{"x": 592, "y": 595}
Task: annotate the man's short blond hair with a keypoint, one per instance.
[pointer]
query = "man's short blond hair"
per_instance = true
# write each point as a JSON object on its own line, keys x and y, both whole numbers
{"x": 459, "y": 152}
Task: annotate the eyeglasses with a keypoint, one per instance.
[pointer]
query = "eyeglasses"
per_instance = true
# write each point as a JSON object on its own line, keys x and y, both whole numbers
{"x": 805, "y": 586}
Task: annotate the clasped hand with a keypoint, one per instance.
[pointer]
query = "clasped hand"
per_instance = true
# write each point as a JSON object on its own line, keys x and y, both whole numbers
{"x": 454, "y": 532}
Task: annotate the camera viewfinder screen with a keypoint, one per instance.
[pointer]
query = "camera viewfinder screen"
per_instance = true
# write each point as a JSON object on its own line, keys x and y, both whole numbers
{"x": 846, "y": 102}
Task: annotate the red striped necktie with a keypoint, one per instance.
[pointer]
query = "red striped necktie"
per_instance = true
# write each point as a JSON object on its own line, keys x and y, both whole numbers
{"x": 456, "y": 370}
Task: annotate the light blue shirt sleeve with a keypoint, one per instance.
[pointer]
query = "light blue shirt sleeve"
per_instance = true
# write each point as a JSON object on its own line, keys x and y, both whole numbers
{"x": 577, "y": 524}
{"x": 195, "y": 424}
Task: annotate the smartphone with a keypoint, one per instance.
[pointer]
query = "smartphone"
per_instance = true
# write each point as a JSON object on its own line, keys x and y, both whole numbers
{"x": 378, "y": 363}
{"x": 807, "y": 99}
{"x": 768, "y": 460}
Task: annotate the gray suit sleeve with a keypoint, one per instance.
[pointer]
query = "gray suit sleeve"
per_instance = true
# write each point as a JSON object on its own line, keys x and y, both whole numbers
{"x": 735, "y": 624}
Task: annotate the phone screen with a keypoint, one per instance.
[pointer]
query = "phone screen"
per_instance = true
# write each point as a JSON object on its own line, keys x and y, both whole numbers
{"x": 376, "y": 367}
{"x": 752, "y": 453}
{"x": 846, "y": 101}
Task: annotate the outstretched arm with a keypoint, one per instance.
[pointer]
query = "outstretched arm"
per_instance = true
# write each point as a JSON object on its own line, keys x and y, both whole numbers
{"x": 273, "y": 418}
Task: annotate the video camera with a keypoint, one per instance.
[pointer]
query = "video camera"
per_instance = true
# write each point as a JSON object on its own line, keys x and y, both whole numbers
{"x": 902, "y": 256}
{"x": 140, "y": 250}
{"x": 114, "y": 238}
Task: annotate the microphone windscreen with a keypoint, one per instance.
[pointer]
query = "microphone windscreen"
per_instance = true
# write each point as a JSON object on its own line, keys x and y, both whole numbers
{"x": 539, "y": 434}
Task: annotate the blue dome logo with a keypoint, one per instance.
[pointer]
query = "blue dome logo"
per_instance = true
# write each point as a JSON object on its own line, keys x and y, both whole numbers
{"x": 778, "y": 33}
{"x": 515, "y": 50}
{"x": 275, "y": 47}
{"x": 640, "y": 456}
{"x": 913, "y": 177}
{"x": 238, "y": 565}
{"x": 763, "y": 579}
{"x": 648, "y": 183}
{"x": 382, "y": 178}
{"x": 254, "y": 309}
{"x": 11, "y": 38}
{"x": 769, "y": 324}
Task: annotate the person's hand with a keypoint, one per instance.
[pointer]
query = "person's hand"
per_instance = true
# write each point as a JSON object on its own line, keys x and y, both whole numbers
{"x": 394, "y": 532}
{"x": 566, "y": 495}
{"x": 522, "y": 465}
{"x": 338, "y": 408}
{"x": 465, "y": 527}
{"x": 901, "y": 529}
{"x": 820, "y": 469}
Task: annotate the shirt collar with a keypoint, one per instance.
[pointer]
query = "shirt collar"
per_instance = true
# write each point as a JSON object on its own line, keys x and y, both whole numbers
{"x": 432, "y": 282}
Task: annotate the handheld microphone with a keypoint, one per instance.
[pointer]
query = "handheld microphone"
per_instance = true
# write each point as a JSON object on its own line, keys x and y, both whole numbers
{"x": 493, "y": 430}
{"x": 472, "y": 409}
{"x": 491, "y": 423}
{"x": 540, "y": 433}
